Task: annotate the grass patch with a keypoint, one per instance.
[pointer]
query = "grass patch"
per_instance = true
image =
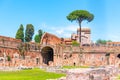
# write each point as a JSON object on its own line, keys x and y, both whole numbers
{"x": 34, "y": 74}
{"x": 71, "y": 67}
{"x": 118, "y": 78}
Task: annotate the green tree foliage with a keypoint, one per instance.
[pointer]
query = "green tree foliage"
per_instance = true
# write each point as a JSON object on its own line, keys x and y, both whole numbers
{"x": 38, "y": 36}
{"x": 79, "y": 16}
{"x": 40, "y": 33}
{"x": 8, "y": 58}
{"x": 75, "y": 43}
{"x": 20, "y": 33}
{"x": 29, "y": 32}
{"x": 109, "y": 41}
{"x": 100, "y": 41}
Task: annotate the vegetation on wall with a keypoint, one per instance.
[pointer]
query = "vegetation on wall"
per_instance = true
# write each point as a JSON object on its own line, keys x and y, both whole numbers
{"x": 8, "y": 58}
{"x": 21, "y": 49}
{"x": 75, "y": 43}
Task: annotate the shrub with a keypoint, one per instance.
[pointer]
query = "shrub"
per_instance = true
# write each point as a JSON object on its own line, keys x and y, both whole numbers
{"x": 75, "y": 43}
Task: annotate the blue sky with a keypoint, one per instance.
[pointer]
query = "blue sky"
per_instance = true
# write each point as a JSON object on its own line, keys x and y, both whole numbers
{"x": 50, "y": 16}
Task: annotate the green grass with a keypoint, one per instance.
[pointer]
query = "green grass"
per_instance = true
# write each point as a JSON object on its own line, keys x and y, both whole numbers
{"x": 118, "y": 77}
{"x": 34, "y": 74}
{"x": 71, "y": 67}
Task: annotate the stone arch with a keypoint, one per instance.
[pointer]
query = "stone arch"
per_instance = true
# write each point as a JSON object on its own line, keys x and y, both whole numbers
{"x": 47, "y": 53}
{"x": 49, "y": 39}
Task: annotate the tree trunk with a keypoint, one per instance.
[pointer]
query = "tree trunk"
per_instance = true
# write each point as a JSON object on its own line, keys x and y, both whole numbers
{"x": 80, "y": 56}
{"x": 80, "y": 32}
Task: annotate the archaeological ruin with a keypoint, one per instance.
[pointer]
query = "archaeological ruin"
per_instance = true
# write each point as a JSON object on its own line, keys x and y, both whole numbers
{"x": 55, "y": 51}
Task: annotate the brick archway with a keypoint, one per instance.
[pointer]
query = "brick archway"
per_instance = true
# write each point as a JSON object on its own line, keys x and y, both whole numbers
{"x": 47, "y": 54}
{"x": 118, "y": 56}
{"x": 48, "y": 48}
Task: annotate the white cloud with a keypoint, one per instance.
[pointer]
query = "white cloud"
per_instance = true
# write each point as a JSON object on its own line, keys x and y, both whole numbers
{"x": 71, "y": 27}
{"x": 68, "y": 35}
{"x": 64, "y": 31}
{"x": 43, "y": 25}
{"x": 60, "y": 31}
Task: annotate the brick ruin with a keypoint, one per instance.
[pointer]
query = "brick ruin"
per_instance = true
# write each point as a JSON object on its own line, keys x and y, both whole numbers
{"x": 53, "y": 51}
{"x": 10, "y": 55}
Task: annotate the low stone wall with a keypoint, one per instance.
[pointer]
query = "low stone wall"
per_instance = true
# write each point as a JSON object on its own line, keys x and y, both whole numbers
{"x": 77, "y": 74}
{"x": 107, "y": 73}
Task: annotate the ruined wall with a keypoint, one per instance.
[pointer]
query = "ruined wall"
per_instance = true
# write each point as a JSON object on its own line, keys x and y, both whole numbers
{"x": 91, "y": 56}
{"x": 16, "y": 59}
{"x": 50, "y": 39}
{"x": 9, "y": 48}
{"x": 94, "y": 55}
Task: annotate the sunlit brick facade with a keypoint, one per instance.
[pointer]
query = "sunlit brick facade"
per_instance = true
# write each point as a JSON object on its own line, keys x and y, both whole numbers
{"x": 55, "y": 51}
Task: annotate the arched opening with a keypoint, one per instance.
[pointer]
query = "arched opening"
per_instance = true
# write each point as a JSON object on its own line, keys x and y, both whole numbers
{"x": 47, "y": 54}
{"x": 118, "y": 56}
{"x": 107, "y": 55}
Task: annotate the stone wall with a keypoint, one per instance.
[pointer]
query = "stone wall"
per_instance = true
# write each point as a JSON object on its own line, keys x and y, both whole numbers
{"x": 106, "y": 73}
{"x": 94, "y": 55}
{"x": 16, "y": 58}
{"x": 60, "y": 58}
{"x": 91, "y": 55}
{"x": 9, "y": 48}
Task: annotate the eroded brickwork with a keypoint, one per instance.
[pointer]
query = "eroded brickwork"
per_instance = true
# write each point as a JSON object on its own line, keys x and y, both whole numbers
{"x": 11, "y": 56}
{"x": 40, "y": 54}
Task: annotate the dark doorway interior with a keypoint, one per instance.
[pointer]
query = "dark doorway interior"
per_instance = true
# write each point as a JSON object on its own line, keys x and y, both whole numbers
{"x": 118, "y": 56}
{"x": 47, "y": 54}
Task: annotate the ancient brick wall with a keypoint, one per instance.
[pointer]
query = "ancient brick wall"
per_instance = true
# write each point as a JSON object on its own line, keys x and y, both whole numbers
{"x": 91, "y": 56}
{"x": 16, "y": 58}
{"x": 50, "y": 39}
{"x": 9, "y": 49}
{"x": 94, "y": 55}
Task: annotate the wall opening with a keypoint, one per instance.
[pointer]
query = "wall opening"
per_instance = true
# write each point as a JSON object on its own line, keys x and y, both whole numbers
{"x": 118, "y": 56}
{"x": 47, "y": 54}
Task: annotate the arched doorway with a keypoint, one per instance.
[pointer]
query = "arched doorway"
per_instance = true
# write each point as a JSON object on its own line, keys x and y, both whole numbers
{"x": 118, "y": 56}
{"x": 47, "y": 54}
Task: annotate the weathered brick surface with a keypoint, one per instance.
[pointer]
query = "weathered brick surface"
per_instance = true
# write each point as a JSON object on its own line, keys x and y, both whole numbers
{"x": 107, "y": 73}
{"x": 94, "y": 55}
